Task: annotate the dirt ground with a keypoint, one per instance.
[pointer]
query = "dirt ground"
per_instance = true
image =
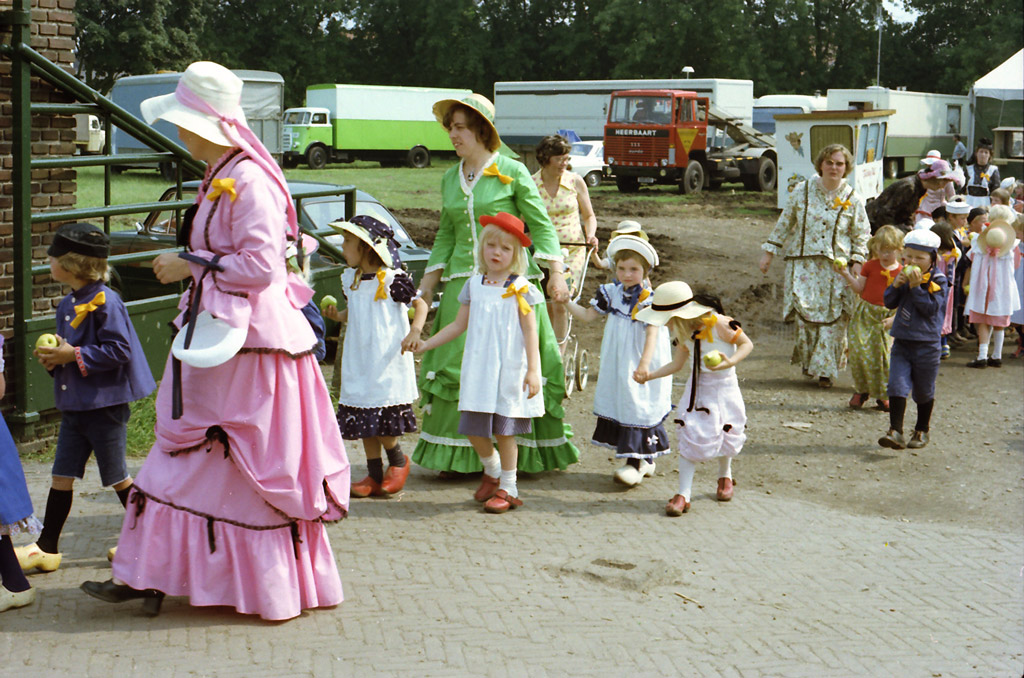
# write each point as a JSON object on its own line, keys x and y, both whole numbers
{"x": 805, "y": 442}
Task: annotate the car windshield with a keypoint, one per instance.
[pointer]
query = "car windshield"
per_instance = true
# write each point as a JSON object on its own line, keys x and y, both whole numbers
{"x": 641, "y": 109}
{"x": 296, "y": 118}
{"x": 322, "y": 211}
{"x": 581, "y": 148}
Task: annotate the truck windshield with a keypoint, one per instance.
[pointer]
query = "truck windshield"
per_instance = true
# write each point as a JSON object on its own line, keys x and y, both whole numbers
{"x": 296, "y": 118}
{"x": 642, "y": 109}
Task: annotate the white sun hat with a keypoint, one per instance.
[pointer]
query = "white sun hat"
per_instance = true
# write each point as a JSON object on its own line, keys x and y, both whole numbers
{"x": 633, "y": 244}
{"x": 672, "y": 300}
{"x": 217, "y": 86}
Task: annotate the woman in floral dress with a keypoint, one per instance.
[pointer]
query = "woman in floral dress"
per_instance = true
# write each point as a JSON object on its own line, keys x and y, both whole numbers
{"x": 823, "y": 225}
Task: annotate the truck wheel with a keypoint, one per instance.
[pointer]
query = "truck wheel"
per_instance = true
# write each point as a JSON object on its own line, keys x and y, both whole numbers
{"x": 593, "y": 179}
{"x": 693, "y": 178}
{"x": 766, "y": 177}
{"x": 627, "y": 184}
{"x": 419, "y": 157}
{"x": 316, "y": 157}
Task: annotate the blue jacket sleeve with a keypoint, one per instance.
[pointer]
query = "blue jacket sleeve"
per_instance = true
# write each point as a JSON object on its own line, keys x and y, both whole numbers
{"x": 316, "y": 321}
{"x": 113, "y": 346}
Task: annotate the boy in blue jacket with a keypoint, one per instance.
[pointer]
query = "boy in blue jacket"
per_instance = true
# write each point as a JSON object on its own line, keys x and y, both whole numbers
{"x": 98, "y": 367}
{"x": 919, "y": 296}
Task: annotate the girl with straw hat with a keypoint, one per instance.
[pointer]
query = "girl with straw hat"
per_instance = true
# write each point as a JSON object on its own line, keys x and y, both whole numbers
{"x": 711, "y": 415}
{"x": 993, "y": 296}
{"x": 484, "y": 183}
{"x": 231, "y": 505}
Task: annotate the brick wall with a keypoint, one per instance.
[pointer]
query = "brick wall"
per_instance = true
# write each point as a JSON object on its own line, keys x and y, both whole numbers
{"x": 53, "y": 36}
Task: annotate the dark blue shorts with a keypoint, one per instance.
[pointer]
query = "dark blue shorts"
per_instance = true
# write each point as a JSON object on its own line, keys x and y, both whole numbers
{"x": 103, "y": 431}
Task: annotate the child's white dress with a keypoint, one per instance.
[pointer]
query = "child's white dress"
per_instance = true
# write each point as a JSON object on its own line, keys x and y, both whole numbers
{"x": 494, "y": 361}
{"x": 993, "y": 297}
{"x": 713, "y": 423}
{"x": 630, "y": 416}
{"x": 378, "y": 380}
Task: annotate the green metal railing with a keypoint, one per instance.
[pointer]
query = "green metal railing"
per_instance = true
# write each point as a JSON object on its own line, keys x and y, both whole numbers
{"x": 33, "y": 390}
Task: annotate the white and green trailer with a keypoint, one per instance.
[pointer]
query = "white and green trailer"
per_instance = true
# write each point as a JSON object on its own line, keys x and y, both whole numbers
{"x": 390, "y": 125}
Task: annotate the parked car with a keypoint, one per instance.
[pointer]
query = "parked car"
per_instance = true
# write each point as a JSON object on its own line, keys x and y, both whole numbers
{"x": 587, "y": 160}
{"x": 135, "y": 280}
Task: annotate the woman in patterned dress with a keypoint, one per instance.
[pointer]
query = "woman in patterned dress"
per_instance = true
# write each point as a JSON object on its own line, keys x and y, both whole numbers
{"x": 567, "y": 201}
{"x": 823, "y": 225}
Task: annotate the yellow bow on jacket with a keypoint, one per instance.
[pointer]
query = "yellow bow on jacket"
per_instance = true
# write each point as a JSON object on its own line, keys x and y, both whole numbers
{"x": 636, "y": 307}
{"x": 932, "y": 287}
{"x": 709, "y": 324}
{"x": 841, "y": 204}
{"x": 82, "y": 310}
{"x": 492, "y": 171}
{"x": 382, "y": 289}
{"x": 520, "y": 295}
{"x": 218, "y": 186}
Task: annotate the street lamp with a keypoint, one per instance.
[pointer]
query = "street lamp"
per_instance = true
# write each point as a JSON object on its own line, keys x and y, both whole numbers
{"x": 687, "y": 70}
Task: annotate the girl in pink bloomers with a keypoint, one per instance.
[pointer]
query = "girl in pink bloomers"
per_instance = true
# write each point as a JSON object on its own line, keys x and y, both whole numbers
{"x": 378, "y": 378}
{"x": 711, "y": 415}
{"x": 993, "y": 296}
{"x": 501, "y": 363}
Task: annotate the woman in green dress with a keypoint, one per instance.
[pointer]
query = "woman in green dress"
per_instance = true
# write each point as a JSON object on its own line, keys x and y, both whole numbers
{"x": 486, "y": 182}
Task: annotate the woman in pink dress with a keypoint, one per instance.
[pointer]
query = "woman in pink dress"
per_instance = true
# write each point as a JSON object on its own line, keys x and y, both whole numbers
{"x": 231, "y": 505}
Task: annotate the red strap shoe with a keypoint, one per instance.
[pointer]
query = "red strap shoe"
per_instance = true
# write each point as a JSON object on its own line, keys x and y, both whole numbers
{"x": 501, "y": 502}
{"x": 488, "y": 487}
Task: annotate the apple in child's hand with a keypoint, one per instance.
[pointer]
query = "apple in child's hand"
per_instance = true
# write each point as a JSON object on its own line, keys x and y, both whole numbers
{"x": 839, "y": 263}
{"x": 713, "y": 358}
{"x": 47, "y": 341}
{"x": 412, "y": 312}
{"x": 328, "y": 300}
{"x": 907, "y": 270}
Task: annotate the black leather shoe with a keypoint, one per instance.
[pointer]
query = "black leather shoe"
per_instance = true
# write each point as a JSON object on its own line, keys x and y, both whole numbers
{"x": 110, "y": 592}
{"x": 995, "y": 362}
{"x": 978, "y": 363}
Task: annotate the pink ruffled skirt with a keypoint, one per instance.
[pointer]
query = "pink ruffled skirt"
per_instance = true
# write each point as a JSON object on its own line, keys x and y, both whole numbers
{"x": 231, "y": 505}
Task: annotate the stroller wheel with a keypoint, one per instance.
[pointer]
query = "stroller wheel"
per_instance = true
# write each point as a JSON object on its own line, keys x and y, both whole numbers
{"x": 582, "y": 370}
{"x": 569, "y": 363}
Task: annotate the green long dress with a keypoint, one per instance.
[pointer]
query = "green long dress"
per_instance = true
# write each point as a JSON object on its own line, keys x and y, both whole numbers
{"x": 440, "y": 445}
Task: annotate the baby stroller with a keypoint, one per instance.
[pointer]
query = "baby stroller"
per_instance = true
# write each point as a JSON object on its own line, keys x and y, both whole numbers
{"x": 575, "y": 361}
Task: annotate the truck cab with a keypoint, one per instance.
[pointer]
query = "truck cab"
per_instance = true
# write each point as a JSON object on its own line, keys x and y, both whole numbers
{"x": 661, "y": 136}
{"x": 308, "y": 136}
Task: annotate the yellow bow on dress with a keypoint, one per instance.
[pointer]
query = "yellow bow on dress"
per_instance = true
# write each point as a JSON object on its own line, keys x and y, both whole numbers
{"x": 709, "y": 324}
{"x": 218, "y": 186}
{"x": 82, "y": 310}
{"x": 492, "y": 171}
{"x": 889, "y": 276}
{"x": 636, "y": 307}
{"x": 382, "y": 289}
{"x": 841, "y": 204}
{"x": 520, "y": 295}
{"x": 984, "y": 176}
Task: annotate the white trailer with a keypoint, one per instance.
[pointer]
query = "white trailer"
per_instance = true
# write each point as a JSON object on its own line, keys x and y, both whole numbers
{"x": 768, "y": 106}
{"x": 923, "y": 121}
{"x": 527, "y": 111}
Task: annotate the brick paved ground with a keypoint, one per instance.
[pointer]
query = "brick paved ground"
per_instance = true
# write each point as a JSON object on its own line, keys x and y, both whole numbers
{"x": 585, "y": 581}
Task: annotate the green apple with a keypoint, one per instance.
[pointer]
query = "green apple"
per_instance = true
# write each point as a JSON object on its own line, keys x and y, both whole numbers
{"x": 911, "y": 269}
{"x": 839, "y": 263}
{"x": 712, "y": 358}
{"x": 328, "y": 300}
{"x": 47, "y": 341}
{"x": 412, "y": 312}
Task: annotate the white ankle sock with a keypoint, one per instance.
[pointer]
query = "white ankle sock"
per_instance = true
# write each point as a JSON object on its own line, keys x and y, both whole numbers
{"x": 982, "y": 351}
{"x": 492, "y": 465}
{"x": 686, "y": 469}
{"x": 725, "y": 467}
{"x": 508, "y": 482}
{"x": 997, "y": 343}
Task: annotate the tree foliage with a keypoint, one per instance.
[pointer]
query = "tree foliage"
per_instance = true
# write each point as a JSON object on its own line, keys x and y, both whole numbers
{"x": 782, "y": 45}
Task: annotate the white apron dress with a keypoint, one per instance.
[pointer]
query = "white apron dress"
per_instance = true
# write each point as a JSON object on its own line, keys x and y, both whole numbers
{"x": 494, "y": 360}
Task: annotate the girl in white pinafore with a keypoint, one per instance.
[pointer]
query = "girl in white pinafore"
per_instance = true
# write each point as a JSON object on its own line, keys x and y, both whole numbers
{"x": 711, "y": 415}
{"x": 993, "y": 295}
{"x": 501, "y": 381}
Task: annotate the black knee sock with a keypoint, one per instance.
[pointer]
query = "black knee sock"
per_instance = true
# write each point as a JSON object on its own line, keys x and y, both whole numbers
{"x": 10, "y": 572}
{"x": 634, "y": 462}
{"x": 924, "y": 415}
{"x": 123, "y": 495}
{"x": 395, "y": 456}
{"x": 375, "y": 467}
{"x": 58, "y": 506}
{"x": 897, "y": 406}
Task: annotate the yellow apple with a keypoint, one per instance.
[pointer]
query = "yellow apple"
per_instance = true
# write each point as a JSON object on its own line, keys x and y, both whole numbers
{"x": 712, "y": 358}
{"x": 47, "y": 341}
{"x": 328, "y": 300}
{"x": 839, "y": 263}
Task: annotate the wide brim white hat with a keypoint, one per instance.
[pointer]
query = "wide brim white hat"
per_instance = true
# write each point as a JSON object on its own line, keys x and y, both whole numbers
{"x": 1000, "y": 236}
{"x": 633, "y": 244}
{"x": 480, "y": 104}
{"x": 212, "y": 83}
{"x": 672, "y": 300}
{"x": 214, "y": 342}
{"x": 379, "y": 246}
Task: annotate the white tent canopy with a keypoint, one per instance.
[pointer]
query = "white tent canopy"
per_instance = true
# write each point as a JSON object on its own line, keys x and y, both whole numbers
{"x": 1006, "y": 82}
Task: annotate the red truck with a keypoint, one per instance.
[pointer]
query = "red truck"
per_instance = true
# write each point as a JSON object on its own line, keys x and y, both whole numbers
{"x": 660, "y": 136}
